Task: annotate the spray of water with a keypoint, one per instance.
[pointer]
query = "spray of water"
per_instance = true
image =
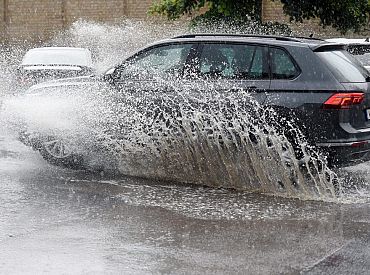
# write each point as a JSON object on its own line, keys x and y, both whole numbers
{"x": 9, "y": 59}
{"x": 222, "y": 139}
{"x": 111, "y": 44}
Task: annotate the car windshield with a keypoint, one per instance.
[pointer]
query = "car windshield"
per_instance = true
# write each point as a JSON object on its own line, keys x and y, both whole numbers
{"x": 344, "y": 66}
{"x": 361, "y": 52}
{"x": 45, "y": 56}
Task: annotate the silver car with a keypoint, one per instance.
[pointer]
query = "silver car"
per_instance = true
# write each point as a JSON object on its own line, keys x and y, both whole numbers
{"x": 48, "y": 63}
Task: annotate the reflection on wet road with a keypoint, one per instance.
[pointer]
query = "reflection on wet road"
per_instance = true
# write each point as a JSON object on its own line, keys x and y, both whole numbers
{"x": 63, "y": 221}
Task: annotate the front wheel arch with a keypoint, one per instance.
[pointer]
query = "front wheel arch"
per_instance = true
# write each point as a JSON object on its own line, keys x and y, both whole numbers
{"x": 57, "y": 152}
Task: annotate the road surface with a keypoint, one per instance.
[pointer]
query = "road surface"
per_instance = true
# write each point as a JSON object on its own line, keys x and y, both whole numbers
{"x": 60, "y": 221}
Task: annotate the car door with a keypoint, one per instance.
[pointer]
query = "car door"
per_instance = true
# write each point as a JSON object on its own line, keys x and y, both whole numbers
{"x": 153, "y": 68}
{"x": 297, "y": 92}
{"x": 148, "y": 84}
{"x": 231, "y": 68}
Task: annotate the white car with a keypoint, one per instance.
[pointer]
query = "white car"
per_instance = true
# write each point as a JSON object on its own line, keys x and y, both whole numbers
{"x": 47, "y": 63}
{"x": 360, "y": 48}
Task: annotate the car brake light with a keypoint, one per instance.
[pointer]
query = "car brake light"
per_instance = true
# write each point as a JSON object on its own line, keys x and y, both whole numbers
{"x": 359, "y": 144}
{"x": 344, "y": 100}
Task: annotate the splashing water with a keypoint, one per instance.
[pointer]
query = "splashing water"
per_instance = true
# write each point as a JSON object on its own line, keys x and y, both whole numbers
{"x": 109, "y": 44}
{"x": 9, "y": 58}
{"x": 222, "y": 139}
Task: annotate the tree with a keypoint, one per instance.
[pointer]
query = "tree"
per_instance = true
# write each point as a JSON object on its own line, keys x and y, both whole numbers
{"x": 234, "y": 15}
{"x": 173, "y": 9}
{"x": 344, "y": 15}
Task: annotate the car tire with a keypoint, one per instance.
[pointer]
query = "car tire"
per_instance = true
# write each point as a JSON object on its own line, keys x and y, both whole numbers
{"x": 57, "y": 152}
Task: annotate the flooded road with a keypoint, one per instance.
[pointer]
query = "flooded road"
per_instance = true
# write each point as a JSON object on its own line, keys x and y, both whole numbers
{"x": 56, "y": 220}
{"x": 62, "y": 221}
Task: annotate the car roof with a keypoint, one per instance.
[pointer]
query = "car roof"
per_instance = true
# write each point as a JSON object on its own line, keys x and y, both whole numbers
{"x": 311, "y": 42}
{"x": 314, "y": 43}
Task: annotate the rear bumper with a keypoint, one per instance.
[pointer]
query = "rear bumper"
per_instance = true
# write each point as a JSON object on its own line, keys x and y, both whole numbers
{"x": 346, "y": 153}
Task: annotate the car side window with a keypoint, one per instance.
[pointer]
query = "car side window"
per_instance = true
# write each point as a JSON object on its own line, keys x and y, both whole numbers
{"x": 233, "y": 61}
{"x": 162, "y": 61}
{"x": 282, "y": 65}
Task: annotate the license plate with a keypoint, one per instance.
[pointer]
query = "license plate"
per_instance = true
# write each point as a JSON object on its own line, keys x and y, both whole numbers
{"x": 368, "y": 114}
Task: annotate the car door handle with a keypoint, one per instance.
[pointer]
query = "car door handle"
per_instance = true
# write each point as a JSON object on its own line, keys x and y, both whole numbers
{"x": 255, "y": 89}
{"x": 251, "y": 87}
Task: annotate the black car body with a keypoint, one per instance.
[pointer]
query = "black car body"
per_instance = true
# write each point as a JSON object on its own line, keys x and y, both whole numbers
{"x": 317, "y": 84}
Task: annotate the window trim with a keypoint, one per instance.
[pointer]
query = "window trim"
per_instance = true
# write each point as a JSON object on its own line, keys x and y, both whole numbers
{"x": 193, "y": 49}
{"x": 291, "y": 58}
{"x": 199, "y": 51}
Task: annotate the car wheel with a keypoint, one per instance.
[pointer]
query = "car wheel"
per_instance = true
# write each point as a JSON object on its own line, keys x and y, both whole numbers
{"x": 59, "y": 152}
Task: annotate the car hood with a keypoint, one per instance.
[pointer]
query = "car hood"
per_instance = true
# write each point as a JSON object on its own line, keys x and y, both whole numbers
{"x": 51, "y": 68}
{"x": 76, "y": 82}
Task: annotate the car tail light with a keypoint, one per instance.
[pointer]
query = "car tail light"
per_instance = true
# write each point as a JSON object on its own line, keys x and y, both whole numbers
{"x": 359, "y": 144}
{"x": 344, "y": 100}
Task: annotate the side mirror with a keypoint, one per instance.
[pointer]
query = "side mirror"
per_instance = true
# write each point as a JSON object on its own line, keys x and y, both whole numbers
{"x": 109, "y": 76}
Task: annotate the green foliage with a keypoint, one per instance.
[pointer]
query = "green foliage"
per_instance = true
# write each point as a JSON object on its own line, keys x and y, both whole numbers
{"x": 173, "y": 9}
{"x": 343, "y": 15}
{"x": 216, "y": 24}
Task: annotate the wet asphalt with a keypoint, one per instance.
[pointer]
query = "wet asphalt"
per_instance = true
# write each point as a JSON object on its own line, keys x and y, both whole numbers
{"x": 59, "y": 221}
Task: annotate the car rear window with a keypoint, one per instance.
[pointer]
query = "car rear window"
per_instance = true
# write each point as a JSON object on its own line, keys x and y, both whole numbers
{"x": 361, "y": 52}
{"x": 364, "y": 59}
{"x": 344, "y": 66}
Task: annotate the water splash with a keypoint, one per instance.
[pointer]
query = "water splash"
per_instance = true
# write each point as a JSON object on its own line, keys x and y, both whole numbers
{"x": 222, "y": 139}
{"x": 111, "y": 44}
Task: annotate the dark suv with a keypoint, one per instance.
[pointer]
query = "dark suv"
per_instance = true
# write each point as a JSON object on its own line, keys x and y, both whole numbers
{"x": 317, "y": 84}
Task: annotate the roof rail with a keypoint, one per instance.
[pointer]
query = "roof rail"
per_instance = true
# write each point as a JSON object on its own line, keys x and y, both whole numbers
{"x": 276, "y": 37}
{"x": 309, "y": 38}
